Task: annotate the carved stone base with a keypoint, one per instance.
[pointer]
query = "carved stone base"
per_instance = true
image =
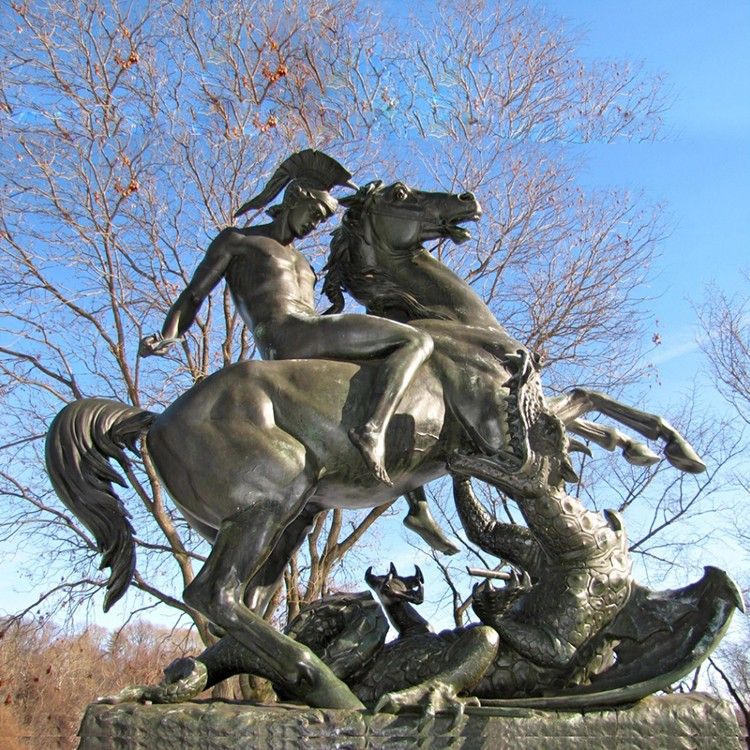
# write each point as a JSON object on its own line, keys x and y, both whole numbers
{"x": 673, "y": 722}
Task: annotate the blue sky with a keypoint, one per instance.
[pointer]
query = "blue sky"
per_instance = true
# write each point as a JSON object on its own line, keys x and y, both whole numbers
{"x": 700, "y": 168}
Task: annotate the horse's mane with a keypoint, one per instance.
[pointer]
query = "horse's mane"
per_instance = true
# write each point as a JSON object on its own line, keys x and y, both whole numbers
{"x": 374, "y": 287}
{"x": 344, "y": 236}
{"x": 334, "y": 269}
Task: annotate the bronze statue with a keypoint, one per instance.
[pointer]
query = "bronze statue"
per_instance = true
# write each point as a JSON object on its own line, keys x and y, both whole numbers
{"x": 272, "y": 285}
{"x": 280, "y": 434}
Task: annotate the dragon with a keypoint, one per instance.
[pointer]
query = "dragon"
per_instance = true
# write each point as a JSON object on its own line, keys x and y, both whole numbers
{"x": 571, "y": 628}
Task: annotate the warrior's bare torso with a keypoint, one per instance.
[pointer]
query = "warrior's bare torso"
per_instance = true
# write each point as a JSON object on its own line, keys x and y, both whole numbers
{"x": 268, "y": 282}
{"x": 272, "y": 285}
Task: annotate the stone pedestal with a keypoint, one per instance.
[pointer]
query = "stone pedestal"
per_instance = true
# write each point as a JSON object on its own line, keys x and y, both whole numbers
{"x": 673, "y": 722}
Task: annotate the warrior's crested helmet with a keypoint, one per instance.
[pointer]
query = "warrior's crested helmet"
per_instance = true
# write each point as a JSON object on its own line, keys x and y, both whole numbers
{"x": 306, "y": 175}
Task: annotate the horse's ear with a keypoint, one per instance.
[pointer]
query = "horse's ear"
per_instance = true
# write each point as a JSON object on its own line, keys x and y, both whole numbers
{"x": 393, "y": 570}
{"x": 418, "y": 574}
{"x": 369, "y": 577}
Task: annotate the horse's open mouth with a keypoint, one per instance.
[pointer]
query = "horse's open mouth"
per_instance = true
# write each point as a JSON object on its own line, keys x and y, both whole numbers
{"x": 453, "y": 229}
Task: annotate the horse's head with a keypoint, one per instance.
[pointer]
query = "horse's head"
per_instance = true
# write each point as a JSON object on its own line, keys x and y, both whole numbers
{"x": 402, "y": 218}
{"x": 383, "y": 226}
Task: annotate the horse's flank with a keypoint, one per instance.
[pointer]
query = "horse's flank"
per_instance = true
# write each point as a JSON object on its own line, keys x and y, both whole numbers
{"x": 252, "y": 417}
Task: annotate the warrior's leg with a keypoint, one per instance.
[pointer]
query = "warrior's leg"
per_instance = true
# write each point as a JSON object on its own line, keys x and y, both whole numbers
{"x": 420, "y": 520}
{"x": 362, "y": 337}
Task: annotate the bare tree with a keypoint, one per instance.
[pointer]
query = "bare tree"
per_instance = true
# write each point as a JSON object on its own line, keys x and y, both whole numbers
{"x": 131, "y": 146}
{"x": 132, "y": 131}
{"x": 725, "y": 341}
{"x": 45, "y": 667}
{"x": 500, "y": 95}
{"x": 730, "y": 673}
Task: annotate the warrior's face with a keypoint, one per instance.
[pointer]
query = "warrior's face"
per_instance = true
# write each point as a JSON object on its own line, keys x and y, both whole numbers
{"x": 305, "y": 216}
{"x": 302, "y": 210}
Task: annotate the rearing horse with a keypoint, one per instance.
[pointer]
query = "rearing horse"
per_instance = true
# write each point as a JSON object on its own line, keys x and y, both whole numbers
{"x": 250, "y": 456}
{"x": 254, "y": 452}
{"x": 377, "y": 256}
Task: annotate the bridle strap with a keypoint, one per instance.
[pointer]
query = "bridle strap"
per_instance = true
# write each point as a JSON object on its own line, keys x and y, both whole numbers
{"x": 395, "y": 212}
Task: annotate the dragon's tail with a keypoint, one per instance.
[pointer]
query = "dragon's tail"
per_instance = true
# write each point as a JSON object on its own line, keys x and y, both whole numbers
{"x": 81, "y": 439}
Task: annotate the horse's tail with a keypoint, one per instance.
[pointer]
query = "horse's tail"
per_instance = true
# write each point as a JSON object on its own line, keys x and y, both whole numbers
{"x": 81, "y": 439}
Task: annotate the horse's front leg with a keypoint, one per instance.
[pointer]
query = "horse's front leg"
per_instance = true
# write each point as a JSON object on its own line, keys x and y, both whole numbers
{"x": 610, "y": 438}
{"x": 243, "y": 544}
{"x": 581, "y": 401}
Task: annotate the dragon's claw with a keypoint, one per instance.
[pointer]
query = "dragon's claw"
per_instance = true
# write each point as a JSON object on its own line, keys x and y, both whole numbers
{"x": 431, "y": 697}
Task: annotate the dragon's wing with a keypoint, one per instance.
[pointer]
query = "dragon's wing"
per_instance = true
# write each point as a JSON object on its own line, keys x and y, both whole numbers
{"x": 660, "y": 637}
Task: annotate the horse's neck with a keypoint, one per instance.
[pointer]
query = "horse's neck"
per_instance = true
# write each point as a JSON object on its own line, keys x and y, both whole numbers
{"x": 363, "y": 255}
{"x": 449, "y": 288}
{"x": 428, "y": 280}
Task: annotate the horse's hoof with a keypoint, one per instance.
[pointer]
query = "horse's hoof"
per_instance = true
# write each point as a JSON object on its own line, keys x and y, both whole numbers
{"x": 681, "y": 455}
{"x": 639, "y": 454}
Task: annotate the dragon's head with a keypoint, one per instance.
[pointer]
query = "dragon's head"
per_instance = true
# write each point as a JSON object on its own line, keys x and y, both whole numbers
{"x": 391, "y": 587}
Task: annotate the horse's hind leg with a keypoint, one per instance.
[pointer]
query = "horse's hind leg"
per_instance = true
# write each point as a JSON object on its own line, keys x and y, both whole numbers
{"x": 264, "y": 583}
{"x": 243, "y": 544}
{"x": 228, "y": 657}
{"x": 580, "y": 401}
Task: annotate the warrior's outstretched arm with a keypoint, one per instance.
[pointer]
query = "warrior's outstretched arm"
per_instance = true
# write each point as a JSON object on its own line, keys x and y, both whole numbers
{"x": 183, "y": 312}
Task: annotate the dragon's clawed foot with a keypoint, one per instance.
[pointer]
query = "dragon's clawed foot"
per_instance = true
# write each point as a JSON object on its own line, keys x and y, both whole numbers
{"x": 490, "y": 603}
{"x": 519, "y": 581}
{"x": 183, "y": 679}
{"x": 431, "y": 697}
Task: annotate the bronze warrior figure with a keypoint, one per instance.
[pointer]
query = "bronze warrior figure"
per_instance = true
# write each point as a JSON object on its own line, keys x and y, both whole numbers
{"x": 272, "y": 285}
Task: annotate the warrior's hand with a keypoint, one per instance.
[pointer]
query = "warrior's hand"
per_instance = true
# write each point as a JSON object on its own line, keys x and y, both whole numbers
{"x": 155, "y": 344}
